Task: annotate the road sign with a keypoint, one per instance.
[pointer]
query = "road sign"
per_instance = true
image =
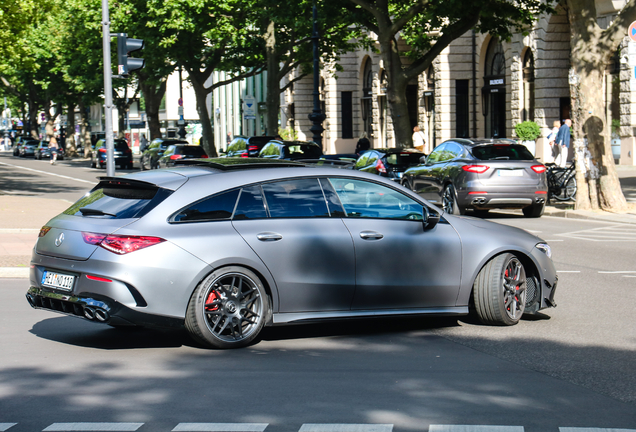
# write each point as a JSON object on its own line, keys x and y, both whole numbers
{"x": 631, "y": 32}
{"x": 180, "y": 101}
{"x": 249, "y": 106}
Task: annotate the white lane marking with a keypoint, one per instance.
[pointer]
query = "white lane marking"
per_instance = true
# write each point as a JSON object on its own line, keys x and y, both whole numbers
{"x": 609, "y": 233}
{"x": 6, "y": 426}
{"x": 346, "y": 428}
{"x": 634, "y": 276}
{"x": 552, "y": 241}
{"x": 474, "y": 428}
{"x": 568, "y": 271}
{"x": 220, "y": 427}
{"x": 573, "y": 429}
{"x": 91, "y": 427}
{"x": 48, "y": 173}
{"x": 617, "y": 272}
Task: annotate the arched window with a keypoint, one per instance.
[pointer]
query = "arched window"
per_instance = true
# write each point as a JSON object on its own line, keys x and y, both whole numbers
{"x": 367, "y": 98}
{"x": 528, "y": 87}
{"x": 494, "y": 90}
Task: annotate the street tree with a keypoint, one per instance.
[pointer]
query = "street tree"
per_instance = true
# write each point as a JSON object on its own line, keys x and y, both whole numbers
{"x": 591, "y": 49}
{"x": 427, "y": 27}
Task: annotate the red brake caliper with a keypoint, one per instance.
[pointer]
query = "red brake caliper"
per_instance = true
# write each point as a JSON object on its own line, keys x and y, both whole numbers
{"x": 209, "y": 306}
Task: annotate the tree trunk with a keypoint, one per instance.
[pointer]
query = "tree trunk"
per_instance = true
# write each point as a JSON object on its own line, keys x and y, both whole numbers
{"x": 597, "y": 179}
{"x": 207, "y": 138}
{"x": 70, "y": 131}
{"x": 396, "y": 94}
{"x": 273, "y": 82}
{"x": 153, "y": 95}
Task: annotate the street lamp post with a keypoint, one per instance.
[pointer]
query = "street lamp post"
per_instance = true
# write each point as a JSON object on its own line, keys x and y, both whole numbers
{"x": 316, "y": 116}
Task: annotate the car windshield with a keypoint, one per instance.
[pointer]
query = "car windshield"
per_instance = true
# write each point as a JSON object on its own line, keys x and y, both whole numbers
{"x": 502, "y": 152}
{"x": 404, "y": 159}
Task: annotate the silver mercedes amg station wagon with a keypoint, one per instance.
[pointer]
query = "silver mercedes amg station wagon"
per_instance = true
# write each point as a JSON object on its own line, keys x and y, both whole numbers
{"x": 232, "y": 245}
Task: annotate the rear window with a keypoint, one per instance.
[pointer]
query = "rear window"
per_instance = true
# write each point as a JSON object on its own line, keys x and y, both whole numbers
{"x": 502, "y": 152}
{"x": 191, "y": 151}
{"x": 119, "y": 200}
{"x": 121, "y": 145}
{"x": 304, "y": 151}
{"x": 404, "y": 159}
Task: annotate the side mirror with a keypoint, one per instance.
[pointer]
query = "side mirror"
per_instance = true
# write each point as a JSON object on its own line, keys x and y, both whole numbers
{"x": 429, "y": 218}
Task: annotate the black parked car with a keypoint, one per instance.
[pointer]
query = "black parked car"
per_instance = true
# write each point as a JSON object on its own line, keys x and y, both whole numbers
{"x": 150, "y": 155}
{"x": 243, "y": 146}
{"x": 388, "y": 162}
{"x": 481, "y": 174}
{"x": 42, "y": 151}
{"x": 122, "y": 154}
{"x": 291, "y": 150}
{"x": 180, "y": 152}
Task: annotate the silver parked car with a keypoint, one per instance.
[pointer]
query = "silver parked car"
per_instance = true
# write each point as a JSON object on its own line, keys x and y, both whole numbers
{"x": 233, "y": 245}
{"x": 462, "y": 174}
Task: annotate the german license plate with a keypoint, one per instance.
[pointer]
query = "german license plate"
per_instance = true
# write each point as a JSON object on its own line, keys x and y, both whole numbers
{"x": 57, "y": 280}
{"x": 510, "y": 173}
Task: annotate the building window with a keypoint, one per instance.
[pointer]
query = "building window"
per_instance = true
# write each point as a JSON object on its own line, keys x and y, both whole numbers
{"x": 461, "y": 109}
{"x": 494, "y": 90}
{"x": 346, "y": 103}
{"x": 367, "y": 99}
{"x": 528, "y": 87}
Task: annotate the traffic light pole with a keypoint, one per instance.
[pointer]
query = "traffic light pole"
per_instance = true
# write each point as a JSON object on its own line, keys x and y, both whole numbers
{"x": 108, "y": 91}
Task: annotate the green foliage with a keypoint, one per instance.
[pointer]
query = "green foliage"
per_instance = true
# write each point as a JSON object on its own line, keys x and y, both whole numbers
{"x": 616, "y": 126}
{"x": 288, "y": 134}
{"x": 527, "y": 130}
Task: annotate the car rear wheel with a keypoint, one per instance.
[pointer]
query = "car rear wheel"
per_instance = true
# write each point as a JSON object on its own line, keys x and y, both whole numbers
{"x": 228, "y": 309}
{"x": 449, "y": 201}
{"x": 533, "y": 211}
{"x": 499, "y": 292}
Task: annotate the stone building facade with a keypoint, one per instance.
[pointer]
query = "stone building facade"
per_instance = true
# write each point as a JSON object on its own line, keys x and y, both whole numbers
{"x": 479, "y": 86}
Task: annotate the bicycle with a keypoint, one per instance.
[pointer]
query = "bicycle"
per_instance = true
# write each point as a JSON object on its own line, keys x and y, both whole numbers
{"x": 561, "y": 182}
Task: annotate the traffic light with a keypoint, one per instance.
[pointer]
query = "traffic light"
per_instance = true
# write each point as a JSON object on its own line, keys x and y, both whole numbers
{"x": 125, "y": 46}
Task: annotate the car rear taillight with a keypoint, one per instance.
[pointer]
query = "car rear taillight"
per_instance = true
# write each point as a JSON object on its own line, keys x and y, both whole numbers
{"x": 120, "y": 244}
{"x": 102, "y": 150}
{"x": 479, "y": 169}
{"x": 175, "y": 157}
{"x": 245, "y": 155}
{"x": 44, "y": 230}
{"x": 204, "y": 156}
{"x": 538, "y": 168}
{"x": 379, "y": 165}
{"x": 252, "y": 148}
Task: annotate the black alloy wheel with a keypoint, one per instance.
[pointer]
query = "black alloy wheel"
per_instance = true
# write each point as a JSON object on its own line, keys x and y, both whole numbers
{"x": 449, "y": 201}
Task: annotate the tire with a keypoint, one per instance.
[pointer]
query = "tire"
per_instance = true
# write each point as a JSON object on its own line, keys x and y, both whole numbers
{"x": 101, "y": 165}
{"x": 481, "y": 213}
{"x": 93, "y": 164}
{"x": 568, "y": 191}
{"x": 533, "y": 211}
{"x": 499, "y": 291}
{"x": 449, "y": 201}
{"x": 228, "y": 309}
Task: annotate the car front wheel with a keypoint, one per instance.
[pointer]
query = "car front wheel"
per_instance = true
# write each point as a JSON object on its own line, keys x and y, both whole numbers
{"x": 499, "y": 292}
{"x": 228, "y": 309}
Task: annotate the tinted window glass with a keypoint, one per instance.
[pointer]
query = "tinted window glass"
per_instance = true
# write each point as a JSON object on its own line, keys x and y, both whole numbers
{"x": 191, "y": 151}
{"x": 370, "y": 200}
{"x": 121, "y": 145}
{"x": 502, "y": 152}
{"x": 295, "y": 198}
{"x": 250, "y": 204}
{"x": 455, "y": 149}
{"x": 303, "y": 151}
{"x": 436, "y": 154}
{"x": 218, "y": 207}
{"x": 335, "y": 207}
{"x": 270, "y": 150}
{"x": 118, "y": 202}
{"x": 404, "y": 159}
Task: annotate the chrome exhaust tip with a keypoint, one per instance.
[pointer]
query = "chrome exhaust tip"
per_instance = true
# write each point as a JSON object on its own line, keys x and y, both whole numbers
{"x": 89, "y": 313}
{"x": 101, "y": 315}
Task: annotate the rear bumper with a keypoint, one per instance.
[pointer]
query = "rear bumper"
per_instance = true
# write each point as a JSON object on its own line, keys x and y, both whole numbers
{"x": 480, "y": 199}
{"x": 96, "y": 309}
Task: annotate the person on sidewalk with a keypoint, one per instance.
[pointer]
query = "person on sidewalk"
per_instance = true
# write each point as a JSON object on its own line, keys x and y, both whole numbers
{"x": 554, "y": 149}
{"x": 419, "y": 141}
{"x": 53, "y": 149}
{"x": 563, "y": 141}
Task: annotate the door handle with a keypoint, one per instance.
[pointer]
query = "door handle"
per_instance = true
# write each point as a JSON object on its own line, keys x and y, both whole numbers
{"x": 371, "y": 235}
{"x": 269, "y": 236}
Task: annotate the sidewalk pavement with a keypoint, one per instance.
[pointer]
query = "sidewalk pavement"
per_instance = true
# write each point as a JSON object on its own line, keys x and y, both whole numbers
{"x": 21, "y": 218}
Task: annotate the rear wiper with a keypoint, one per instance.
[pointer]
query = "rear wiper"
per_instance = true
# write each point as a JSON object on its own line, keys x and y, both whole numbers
{"x": 95, "y": 212}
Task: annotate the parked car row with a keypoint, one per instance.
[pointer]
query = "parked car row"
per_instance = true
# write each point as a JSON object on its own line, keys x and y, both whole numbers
{"x": 30, "y": 147}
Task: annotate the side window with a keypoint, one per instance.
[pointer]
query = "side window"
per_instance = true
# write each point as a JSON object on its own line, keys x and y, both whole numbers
{"x": 299, "y": 198}
{"x": 170, "y": 150}
{"x": 370, "y": 200}
{"x": 362, "y": 160}
{"x": 269, "y": 150}
{"x": 217, "y": 207}
{"x": 447, "y": 153}
{"x": 436, "y": 154}
{"x": 250, "y": 204}
{"x": 335, "y": 207}
{"x": 456, "y": 150}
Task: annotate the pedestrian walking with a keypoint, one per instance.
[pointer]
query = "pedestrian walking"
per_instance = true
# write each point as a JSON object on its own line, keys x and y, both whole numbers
{"x": 143, "y": 143}
{"x": 419, "y": 141}
{"x": 554, "y": 149}
{"x": 53, "y": 149}
{"x": 563, "y": 142}
{"x": 363, "y": 145}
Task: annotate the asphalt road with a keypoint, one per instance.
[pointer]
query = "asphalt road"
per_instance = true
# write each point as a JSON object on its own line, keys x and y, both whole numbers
{"x": 569, "y": 367}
